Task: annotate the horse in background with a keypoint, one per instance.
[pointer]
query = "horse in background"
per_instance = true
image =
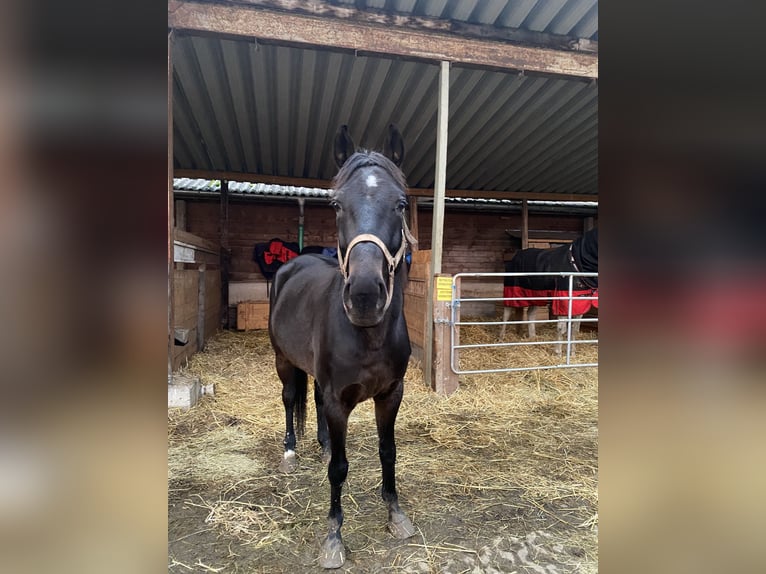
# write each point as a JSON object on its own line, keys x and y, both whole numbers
{"x": 341, "y": 321}
{"x": 579, "y": 256}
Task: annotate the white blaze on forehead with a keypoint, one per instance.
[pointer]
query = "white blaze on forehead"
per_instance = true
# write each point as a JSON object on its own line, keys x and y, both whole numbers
{"x": 372, "y": 181}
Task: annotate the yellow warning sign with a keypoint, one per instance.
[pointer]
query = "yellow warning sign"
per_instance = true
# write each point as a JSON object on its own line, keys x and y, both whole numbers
{"x": 444, "y": 289}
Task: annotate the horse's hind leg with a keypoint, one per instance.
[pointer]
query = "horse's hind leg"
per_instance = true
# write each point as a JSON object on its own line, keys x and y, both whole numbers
{"x": 531, "y": 316}
{"x": 562, "y": 332}
{"x": 294, "y": 383}
{"x": 386, "y": 409}
{"x": 506, "y": 316}
{"x": 323, "y": 435}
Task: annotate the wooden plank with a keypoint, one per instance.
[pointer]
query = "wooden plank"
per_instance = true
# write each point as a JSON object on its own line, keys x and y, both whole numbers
{"x": 252, "y": 315}
{"x": 421, "y": 256}
{"x": 427, "y": 24}
{"x": 187, "y": 254}
{"x": 419, "y": 270}
{"x": 195, "y": 240}
{"x": 253, "y": 22}
{"x": 546, "y": 235}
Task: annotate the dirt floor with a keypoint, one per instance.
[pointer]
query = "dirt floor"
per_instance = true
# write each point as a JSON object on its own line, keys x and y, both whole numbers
{"x": 501, "y": 477}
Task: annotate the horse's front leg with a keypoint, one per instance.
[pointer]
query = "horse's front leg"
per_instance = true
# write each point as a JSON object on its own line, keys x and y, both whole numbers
{"x": 562, "y": 329}
{"x": 333, "y": 552}
{"x": 323, "y": 436}
{"x": 386, "y": 409}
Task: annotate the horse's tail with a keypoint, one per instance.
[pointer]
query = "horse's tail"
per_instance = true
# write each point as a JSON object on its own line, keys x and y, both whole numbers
{"x": 301, "y": 384}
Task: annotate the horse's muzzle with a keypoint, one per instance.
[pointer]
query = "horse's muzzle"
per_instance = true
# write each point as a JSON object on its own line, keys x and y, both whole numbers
{"x": 364, "y": 299}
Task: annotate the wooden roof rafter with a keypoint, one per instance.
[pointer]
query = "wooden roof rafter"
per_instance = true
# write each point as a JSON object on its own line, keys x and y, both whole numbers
{"x": 256, "y": 22}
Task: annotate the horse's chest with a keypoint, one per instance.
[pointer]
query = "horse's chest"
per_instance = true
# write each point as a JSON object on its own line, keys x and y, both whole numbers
{"x": 372, "y": 372}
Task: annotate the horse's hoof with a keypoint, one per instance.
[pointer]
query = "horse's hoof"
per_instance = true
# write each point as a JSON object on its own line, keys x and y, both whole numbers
{"x": 400, "y": 526}
{"x": 333, "y": 553}
{"x": 288, "y": 464}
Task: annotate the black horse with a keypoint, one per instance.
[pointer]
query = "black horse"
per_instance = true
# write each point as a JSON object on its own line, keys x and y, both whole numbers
{"x": 341, "y": 321}
{"x": 579, "y": 256}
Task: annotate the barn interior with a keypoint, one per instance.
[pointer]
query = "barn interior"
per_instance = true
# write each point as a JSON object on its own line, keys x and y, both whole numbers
{"x": 498, "y": 105}
{"x": 259, "y": 90}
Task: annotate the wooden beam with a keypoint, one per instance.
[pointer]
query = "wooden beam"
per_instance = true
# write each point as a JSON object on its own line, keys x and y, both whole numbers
{"x": 427, "y": 24}
{"x": 414, "y": 229}
{"x": 180, "y": 213}
{"x": 201, "y": 308}
{"x": 437, "y": 227}
{"x": 223, "y": 231}
{"x": 412, "y": 191}
{"x": 524, "y": 224}
{"x": 480, "y": 194}
{"x": 171, "y": 248}
{"x": 195, "y": 241}
{"x": 440, "y": 176}
{"x": 444, "y": 379}
{"x": 292, "y": 28}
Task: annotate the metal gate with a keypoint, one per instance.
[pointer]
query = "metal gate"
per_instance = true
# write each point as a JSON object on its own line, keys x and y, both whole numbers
{"x": 567, "y": 357}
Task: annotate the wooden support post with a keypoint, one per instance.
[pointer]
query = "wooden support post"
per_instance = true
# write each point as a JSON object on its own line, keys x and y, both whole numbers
{"x": 181, "y": 215}
{"x": 524, "y": 224}
{"x": 201, "y": 308}
{"x": 413, "y": 201}
{"x": 225, "y": 253}
{"x": 437, "y": 229}
{"x": 445, "y": 381}
{"x": 180, "y": 222}
{"x": 171, "y": 330}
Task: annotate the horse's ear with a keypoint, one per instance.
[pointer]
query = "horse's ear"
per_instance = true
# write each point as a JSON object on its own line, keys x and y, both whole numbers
{"x": 395, "y": 145}
{"x": 344, "y": 146}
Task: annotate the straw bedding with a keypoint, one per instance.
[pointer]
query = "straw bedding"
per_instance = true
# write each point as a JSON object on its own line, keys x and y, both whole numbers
{"x": 499, "y": 477}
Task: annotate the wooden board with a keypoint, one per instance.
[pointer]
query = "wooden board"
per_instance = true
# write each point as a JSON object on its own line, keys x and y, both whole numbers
{"x": 252, "y": 315}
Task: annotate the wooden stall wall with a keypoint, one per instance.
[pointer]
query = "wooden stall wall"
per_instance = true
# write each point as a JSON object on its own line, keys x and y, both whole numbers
{"x": 415, "y": 300}
{"x": 473, "y": 241}
{"x": 186, "y": 308}
{"x": 476, "y": 242}
{"x": 254, "y": 222}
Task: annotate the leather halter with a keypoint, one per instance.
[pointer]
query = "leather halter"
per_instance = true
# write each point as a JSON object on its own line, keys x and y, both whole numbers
{"x": 393, "y": 261}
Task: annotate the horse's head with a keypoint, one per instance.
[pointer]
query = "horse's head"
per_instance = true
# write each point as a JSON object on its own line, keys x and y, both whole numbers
{"x": 369, "y": 198}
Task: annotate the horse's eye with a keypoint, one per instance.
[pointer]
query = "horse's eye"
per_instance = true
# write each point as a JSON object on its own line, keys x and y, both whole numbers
{"x": 335, "y": 205}
{"x": 402, "y": 205}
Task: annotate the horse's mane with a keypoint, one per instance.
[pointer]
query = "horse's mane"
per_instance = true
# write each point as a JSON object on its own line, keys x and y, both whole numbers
{"x": 366, "y": 158}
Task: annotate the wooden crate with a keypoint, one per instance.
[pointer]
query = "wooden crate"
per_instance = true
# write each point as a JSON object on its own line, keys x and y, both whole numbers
{"x": 252, "y": 315}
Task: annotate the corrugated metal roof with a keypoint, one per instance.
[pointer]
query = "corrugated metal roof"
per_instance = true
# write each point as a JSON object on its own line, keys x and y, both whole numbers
{"x": 248, "y": 107}
{"x": 577, "y": 18}
{"x": 266, "y": 190}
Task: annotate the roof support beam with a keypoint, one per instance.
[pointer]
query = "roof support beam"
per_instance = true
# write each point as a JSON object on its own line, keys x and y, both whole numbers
{"x": 412, "y": 191}
{"x": 289, "y": 27}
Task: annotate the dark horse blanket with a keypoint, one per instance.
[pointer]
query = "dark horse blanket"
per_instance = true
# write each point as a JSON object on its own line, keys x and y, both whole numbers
{"x": 271, "y": 255}
{"x": 580, "y": 256}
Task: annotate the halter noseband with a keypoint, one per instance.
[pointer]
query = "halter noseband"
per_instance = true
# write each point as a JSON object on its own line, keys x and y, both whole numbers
{"x": 393, "y": 261}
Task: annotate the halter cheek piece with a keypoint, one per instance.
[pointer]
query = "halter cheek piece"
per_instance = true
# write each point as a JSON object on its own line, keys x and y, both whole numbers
{"x": 393, "y": 262}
